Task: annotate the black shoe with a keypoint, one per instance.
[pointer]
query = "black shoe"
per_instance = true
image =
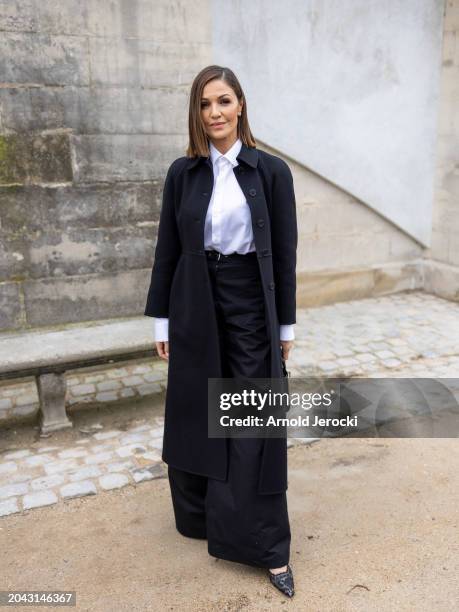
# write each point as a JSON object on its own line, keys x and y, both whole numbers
{"x": 283, "y": 581}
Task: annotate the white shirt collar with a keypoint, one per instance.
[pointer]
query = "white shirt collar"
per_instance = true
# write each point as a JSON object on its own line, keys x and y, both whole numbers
{"x": 230, "y": 155}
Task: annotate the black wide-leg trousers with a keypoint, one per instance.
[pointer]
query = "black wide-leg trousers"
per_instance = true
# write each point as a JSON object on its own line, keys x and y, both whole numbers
{"x": 239, "y": 524}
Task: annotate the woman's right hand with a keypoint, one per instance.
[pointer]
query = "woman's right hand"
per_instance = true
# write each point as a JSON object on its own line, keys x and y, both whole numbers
{"x": 163, "y": 350}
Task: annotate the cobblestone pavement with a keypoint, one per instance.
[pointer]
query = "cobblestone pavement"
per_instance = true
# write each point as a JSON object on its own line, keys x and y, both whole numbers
{"x": 409, "y": 335}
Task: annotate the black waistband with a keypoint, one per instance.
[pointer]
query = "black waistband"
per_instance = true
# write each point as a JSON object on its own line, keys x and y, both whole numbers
{"x": 212, "y": 254}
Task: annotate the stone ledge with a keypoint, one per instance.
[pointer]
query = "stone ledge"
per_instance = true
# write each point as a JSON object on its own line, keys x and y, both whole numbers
{"x": 441, "y": 279}
{"x": 330, "y": 286}
{"x": 53, "y": 347}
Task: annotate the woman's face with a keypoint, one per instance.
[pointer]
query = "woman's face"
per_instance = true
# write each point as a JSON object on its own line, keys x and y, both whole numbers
{"x": 219, "y": 112}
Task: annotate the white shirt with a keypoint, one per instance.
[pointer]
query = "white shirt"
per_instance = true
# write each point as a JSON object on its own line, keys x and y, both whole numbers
{"x": 228, "y": 223}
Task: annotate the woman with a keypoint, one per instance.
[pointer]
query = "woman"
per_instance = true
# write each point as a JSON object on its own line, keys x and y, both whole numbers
{"x": 222, "y": 292}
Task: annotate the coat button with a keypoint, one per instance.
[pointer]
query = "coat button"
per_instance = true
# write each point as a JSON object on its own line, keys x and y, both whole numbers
{"x": 252, "y": 192}
{"x": 271, "y": 285}
{"x": 204, "y": 193}
{"x": 265, "y": 252}
{"x": 260, "y": 222}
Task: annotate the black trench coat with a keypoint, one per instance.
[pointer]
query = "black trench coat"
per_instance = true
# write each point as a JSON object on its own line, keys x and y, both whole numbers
{"x": 180, "y": 289}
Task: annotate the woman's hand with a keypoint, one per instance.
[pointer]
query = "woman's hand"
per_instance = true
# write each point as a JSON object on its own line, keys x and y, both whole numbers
{"x": 163, "y": 350}
{"x": 286, "y": 345}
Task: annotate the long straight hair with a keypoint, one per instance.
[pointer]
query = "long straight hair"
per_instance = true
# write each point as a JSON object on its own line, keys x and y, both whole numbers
{"x": 198, "y": 140}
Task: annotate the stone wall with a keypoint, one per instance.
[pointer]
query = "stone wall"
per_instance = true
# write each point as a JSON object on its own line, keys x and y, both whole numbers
{"x": 345, "y": 249}
{"x": 347, "y": 89}
{"x": 442, "y": 263}
{"x": 93, "y": 108}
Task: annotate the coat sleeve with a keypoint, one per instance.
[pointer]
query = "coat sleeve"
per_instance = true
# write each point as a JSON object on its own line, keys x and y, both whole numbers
{"x": 284, "y": 236}
{"x": 167, "y": 253}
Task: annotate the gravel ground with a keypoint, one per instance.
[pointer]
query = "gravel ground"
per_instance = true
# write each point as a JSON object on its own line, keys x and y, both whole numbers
{"x": 374, "y": 527}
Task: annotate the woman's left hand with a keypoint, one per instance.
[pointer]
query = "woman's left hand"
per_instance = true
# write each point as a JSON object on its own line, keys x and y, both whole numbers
{"x": 286, "y": 346}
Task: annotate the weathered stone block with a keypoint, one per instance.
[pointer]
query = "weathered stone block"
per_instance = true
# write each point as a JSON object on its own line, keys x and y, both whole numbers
{"x": 11, "y": 310}
{"x": 35, "y": 158}
{"x": 43, "y": 58}
{"x": 18, "y": 16}
{"x": 442, "y": 279}
{"x": 124, "y": 157}
{"x": 160, "y": 20}
{"x": 398, "y": 277}
{"x": 69, "y": 17}
{"x": 95, "y": 110}
{"x": 135, "y": 62}
{"x": 90, "y": 251}
{"x": 77, "y": 206}
{"x": 328, "y": 287}
{"x": 86, "y": 298}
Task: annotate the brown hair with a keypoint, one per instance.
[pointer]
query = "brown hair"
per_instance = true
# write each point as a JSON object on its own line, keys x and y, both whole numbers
{"x": 198, "y": 139}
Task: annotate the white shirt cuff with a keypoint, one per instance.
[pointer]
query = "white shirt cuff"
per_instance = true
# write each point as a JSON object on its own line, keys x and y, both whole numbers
{"x": 287, "y": 332}
{"x": 161, "y": 330}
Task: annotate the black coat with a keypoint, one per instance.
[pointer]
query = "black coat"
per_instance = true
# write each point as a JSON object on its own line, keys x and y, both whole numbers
{"x": 180, "y": 290}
